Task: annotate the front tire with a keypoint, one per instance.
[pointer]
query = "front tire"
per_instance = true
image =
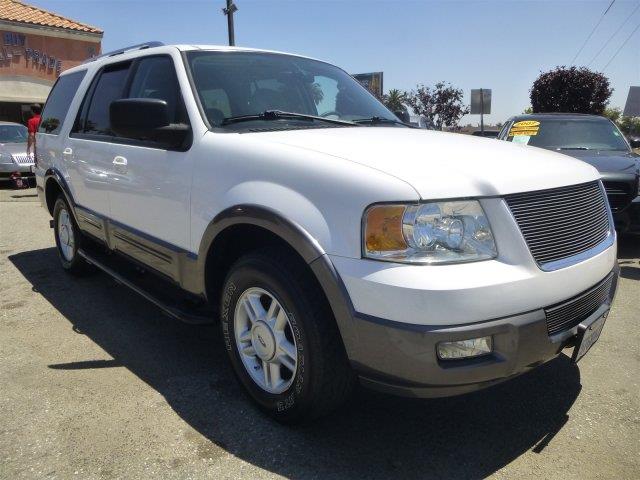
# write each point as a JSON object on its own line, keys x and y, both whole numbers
{"x": 68, "y": 238}
{"x": 282, "y": 339}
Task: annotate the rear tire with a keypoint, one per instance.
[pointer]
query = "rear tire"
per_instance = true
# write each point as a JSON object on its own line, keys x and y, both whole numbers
{"x": 68, "y": 239}
{"x": 288, "y": 355}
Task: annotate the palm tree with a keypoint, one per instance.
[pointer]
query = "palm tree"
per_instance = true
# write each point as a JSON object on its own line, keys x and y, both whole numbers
{"x": 316, "y": 93}
{"x": 394, "y": 100}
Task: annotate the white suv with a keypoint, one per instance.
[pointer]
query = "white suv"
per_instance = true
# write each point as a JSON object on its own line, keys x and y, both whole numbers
{"x": 336, "y": 244}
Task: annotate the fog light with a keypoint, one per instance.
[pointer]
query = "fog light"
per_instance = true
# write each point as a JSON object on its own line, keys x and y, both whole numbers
{"x": 473, "y": 347}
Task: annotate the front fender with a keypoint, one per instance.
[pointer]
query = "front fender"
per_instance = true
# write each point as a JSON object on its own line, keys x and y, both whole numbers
{"x": 304, "y": 244}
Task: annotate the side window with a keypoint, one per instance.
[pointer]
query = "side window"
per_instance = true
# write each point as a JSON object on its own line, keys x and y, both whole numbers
{"x": 109, "y": 87}
{"x": 57, "y": 106}
{"x": 155, "y": 77}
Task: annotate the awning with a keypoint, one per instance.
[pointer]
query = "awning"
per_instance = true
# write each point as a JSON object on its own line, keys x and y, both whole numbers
{"x": 23, "y": 90}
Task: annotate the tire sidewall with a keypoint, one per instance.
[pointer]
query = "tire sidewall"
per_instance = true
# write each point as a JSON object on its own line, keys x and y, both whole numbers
{"x": 298, "y": 396}
{"x": 58, "y": 207}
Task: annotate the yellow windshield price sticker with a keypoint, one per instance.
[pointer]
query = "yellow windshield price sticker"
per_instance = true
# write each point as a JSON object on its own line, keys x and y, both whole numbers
{"x": 526, "y": 123}
{"x": 528, "y": 128}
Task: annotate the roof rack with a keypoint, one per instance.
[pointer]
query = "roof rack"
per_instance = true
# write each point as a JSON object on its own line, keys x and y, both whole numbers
{"x": 140, "y": 46}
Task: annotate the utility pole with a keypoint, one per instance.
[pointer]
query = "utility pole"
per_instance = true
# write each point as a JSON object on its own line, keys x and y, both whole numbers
{"x": 229, "y": 11}
{"x": 482, "y": 111}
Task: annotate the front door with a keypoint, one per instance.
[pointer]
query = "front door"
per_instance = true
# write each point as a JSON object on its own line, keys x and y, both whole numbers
{"x": 150, "y": 183}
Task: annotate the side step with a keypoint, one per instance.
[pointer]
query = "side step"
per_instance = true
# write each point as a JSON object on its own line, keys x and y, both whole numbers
{"x": 172, "y": 311}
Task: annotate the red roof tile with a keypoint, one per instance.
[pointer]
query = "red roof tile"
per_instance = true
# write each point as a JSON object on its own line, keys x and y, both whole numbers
{"x": 16, "y": 11}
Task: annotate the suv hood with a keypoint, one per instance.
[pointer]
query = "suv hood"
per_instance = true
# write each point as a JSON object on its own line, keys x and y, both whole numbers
{"x": 607, "y": 161}
{"x": 442, "y": 165}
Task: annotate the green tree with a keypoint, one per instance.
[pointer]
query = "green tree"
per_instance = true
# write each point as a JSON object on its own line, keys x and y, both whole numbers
{"x": 570, "y": 90}
{"x": 629, "y": 125}
{"x": 612, "y": 114}
{"x": 442, "y": 104}
{"x": 395, "y": 100}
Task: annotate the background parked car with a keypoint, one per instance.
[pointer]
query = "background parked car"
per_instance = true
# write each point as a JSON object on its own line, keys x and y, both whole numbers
{"x": 595, "y": 140}
{"x": 13, "y": 151}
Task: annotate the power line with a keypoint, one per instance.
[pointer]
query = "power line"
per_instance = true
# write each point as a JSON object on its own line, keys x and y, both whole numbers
{"x": 616, "y": 33}
{"x": 592, "y": 31}
{"x": 621, "y": 47}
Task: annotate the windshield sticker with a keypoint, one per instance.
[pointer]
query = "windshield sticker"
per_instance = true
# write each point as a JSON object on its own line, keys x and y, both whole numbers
{"x": 527, "y": 128}
{"x": 521, "y": 139}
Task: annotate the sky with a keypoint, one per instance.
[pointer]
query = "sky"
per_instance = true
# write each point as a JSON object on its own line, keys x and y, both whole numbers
{"x": 502, "y": 45}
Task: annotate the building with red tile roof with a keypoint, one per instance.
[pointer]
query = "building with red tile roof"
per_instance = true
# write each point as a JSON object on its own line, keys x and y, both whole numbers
{"x": 36, "y": 45}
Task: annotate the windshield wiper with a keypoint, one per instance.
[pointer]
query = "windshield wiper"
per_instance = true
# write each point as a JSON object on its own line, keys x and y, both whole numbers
{"x": 279, "y": 115}
{"x": 382, "y": 120}
{"x": 573, "y": 148}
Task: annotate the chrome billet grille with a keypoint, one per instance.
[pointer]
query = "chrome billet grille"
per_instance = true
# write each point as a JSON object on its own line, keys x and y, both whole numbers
{"x": 568, "y": 314}
{"x": 23, "y": 159}
{"x": 561, "y": 222}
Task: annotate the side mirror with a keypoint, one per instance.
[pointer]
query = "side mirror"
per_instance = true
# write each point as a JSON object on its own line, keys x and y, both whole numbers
{"x": 634, "y": 142}
{"x": 146, "y": 119}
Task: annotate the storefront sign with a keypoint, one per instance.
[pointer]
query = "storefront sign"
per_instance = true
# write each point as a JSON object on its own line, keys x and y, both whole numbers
{"x": 371, "y": 81}
{"x": 14, "y": 45}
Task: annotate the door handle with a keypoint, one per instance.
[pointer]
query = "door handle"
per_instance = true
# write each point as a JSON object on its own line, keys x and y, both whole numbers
{"x": 67, "y": 151}
{"x": 120, "y": 164}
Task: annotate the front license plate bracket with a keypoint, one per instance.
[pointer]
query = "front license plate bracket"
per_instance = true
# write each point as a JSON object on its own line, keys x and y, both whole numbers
{"x": 588, "y": 334}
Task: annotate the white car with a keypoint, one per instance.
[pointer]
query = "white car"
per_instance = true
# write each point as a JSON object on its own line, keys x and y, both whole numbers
{"x": 335, "y": 244}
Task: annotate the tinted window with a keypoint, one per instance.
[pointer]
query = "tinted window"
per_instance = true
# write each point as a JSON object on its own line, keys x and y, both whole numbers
{"x": 155, "y": 77}
{"x": 58, "y": 102}
{"x": 110, "y": 87}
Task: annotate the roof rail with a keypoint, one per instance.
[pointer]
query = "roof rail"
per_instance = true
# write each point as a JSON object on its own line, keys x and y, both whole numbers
{"x": 120, "y": 51}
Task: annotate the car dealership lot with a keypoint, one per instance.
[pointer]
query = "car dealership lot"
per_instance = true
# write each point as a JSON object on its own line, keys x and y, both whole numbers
{"x": 97, "y": 383}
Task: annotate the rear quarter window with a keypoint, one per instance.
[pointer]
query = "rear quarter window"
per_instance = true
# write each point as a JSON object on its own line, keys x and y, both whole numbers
{"x": 57, "y": 106}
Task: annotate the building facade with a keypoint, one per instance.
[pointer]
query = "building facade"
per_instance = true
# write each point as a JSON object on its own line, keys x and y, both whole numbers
{"x": 35, "y": 47}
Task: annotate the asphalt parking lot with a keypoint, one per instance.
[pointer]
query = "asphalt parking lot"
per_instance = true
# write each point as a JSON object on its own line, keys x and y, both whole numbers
{"x": 97, "y": 383}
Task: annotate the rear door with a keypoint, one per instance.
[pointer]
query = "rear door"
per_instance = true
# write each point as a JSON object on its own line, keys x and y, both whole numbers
{"x": 150, "y": 183}
{"x": 90, "y": 151}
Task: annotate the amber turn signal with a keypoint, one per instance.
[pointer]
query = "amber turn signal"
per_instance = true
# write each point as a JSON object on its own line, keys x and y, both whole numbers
{"x": 383, "y": 230}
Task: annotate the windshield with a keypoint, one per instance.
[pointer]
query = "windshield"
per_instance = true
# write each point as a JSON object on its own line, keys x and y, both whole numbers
{"x": 234, "y": 84}
{"x": 568, "y": 134}
{"x": 13, "y": 134}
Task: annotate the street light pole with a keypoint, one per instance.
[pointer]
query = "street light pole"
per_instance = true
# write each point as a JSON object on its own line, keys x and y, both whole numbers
{"x": 229, "y": 11}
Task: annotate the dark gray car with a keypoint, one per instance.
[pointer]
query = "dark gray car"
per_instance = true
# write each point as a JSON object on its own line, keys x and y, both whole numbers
{"x": 595, "y": 140}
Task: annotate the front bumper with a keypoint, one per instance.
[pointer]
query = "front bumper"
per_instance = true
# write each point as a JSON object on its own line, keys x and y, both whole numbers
{"x": 401, "y": 312}
{"x": 402, "y": 359}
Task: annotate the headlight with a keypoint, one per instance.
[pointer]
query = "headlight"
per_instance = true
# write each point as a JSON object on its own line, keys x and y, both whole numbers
{"x": 6, "y": 158}
{"x": 428, "y": 233}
